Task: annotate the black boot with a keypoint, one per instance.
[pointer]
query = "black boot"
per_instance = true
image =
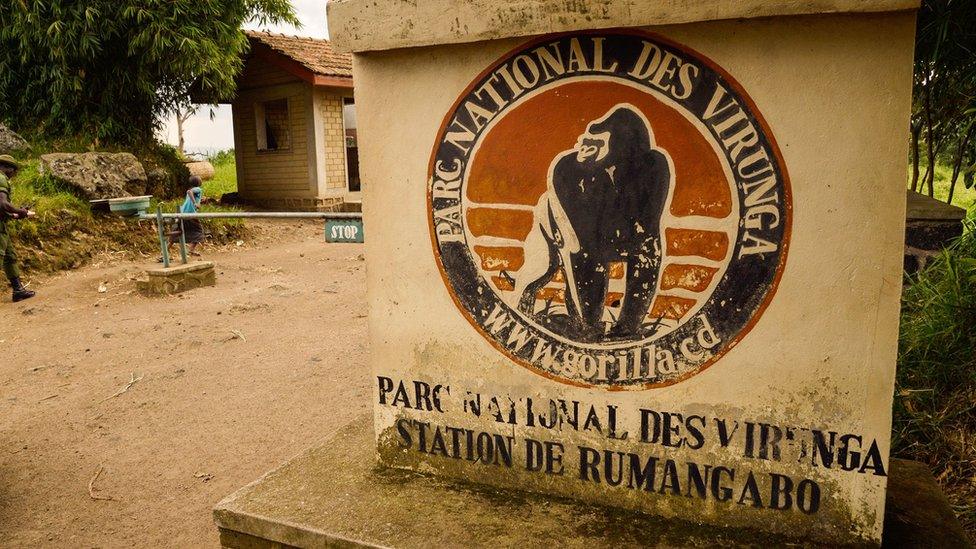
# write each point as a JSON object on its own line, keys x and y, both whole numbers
{"x": 20, "y": 292}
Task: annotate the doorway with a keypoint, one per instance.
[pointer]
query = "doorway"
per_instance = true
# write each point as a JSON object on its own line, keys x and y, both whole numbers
{"x": 352, "y": 146}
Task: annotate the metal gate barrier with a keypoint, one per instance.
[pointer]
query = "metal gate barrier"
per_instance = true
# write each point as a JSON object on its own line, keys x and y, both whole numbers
{"x": 159, "y": 216}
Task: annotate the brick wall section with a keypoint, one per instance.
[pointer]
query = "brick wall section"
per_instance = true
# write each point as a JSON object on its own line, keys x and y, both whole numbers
{"x": 330, "y": 109}
{"x": 280, "y": 173}
{"x": 289, "y": 204}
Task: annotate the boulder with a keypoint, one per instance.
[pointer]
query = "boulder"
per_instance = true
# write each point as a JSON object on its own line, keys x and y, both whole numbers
{"x": 97, "y": 175}
{"x": 202, "y": 169}
{"x": 159, "y": 180}
{"x": 11, "y": 142}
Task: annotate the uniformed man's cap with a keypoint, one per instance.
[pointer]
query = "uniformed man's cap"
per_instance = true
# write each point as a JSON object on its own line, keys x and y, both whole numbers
{"x": 9, "y": 161}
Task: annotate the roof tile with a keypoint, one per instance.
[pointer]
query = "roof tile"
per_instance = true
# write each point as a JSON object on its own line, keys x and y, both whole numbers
{"x": 314, "y": 54}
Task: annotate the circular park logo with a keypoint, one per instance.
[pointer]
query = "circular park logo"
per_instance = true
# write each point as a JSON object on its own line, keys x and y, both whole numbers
{"x": 609, "y": 209}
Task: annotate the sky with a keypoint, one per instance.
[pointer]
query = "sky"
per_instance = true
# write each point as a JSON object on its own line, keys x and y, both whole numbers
{"x": 206, "y": 134}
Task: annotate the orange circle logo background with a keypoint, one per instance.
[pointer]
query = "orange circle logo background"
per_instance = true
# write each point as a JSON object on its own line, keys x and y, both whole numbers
{"x": 512, "y": 163}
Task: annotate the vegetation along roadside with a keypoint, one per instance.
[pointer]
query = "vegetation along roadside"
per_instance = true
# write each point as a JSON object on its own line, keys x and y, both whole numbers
{"x": 935, "y": 393}
{"x": 66, "y": 234}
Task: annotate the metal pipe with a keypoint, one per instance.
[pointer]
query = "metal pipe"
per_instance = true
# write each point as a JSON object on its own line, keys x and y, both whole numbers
{"x": 183, "y": 243}
{"x": 251, "y": 215}
{"x": 164, "y": 248}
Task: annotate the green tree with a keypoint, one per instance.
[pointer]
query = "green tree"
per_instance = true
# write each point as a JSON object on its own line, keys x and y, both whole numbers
{"x": 109, "y": 70}
{"x": 944, "y": 107}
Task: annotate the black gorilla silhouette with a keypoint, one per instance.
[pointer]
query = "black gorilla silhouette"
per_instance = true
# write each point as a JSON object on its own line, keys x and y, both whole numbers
{"x": 604, "y": 204}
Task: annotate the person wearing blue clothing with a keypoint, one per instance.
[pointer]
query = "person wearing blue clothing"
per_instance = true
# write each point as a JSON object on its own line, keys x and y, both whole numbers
{"x": 192, "y": 228}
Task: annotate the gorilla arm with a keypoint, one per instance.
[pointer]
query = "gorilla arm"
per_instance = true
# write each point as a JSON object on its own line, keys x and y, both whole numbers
{"x": 549, "y": 244}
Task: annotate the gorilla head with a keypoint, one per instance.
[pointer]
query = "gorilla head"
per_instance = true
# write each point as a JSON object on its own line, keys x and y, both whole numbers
{"x": 613, "y": 184}
{"x": 621, "y": 133}
{"x": 604, "y": 204}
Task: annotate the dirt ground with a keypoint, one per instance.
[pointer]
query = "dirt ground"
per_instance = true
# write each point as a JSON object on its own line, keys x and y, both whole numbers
{"x": 178, "y": 401}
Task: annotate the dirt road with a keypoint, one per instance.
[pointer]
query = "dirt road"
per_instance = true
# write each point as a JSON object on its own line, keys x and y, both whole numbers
{"x": 178, "y": 401}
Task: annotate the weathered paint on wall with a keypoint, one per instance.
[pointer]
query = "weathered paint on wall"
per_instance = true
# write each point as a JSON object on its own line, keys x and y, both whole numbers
{"x": 371, "y": 26}
{"x": 834, "y": 93}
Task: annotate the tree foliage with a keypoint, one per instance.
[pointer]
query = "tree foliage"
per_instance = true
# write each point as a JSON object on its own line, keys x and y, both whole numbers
{"x": 110, "y": 70}
{"x": 944, "y": 106}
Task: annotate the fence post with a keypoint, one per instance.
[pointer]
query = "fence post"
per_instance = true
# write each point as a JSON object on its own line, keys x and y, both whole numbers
{"x": 183, "y": 242}
{"x": 162, "y": 235}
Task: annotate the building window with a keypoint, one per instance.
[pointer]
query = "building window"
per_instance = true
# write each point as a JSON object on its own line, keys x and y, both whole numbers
{"x": 271, "y": 125}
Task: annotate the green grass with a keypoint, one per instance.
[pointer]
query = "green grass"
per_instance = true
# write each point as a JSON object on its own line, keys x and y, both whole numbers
{"x": 49, "y": 200}
{"x": 225, "y": 176}
{"x": 223, "y": 182}
{"x": 962, "y": 197}
{"x": 935, "y": 396}
{"x": 43, "y": 194}
{"x": 65, "y": 234}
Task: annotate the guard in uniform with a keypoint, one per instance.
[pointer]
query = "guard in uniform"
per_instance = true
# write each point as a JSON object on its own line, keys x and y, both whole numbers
{"x": 8, "y": 168}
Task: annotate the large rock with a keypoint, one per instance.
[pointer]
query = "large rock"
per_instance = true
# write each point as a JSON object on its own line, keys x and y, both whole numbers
{"x": 96, "y": 175}
{"x": 160, "y": 180}
{"x": 10, "y": 141}
{"x": 202, "y": 169}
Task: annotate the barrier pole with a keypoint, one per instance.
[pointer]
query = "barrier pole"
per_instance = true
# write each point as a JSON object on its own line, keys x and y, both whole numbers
{"x": 183, "y": 242}
{"x": 162, "y": 235}
{"x": 261, "y": 215}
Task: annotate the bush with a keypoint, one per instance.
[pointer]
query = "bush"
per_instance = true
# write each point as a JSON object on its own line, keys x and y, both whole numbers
{"x": 221, "y": 158}
{"x": 160, "y": 155}
{"x": 45, "y": 195}
{"x": 65, "y": 234}
{"x": 934, "y": 411}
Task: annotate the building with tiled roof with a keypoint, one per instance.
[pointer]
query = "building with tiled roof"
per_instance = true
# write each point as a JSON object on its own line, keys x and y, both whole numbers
{"x": 312, "y": 54}
{"x": 294, "y": 125}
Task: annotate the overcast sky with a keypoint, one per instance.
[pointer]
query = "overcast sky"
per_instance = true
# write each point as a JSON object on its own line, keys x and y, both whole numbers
{"x": 205, "y": 135}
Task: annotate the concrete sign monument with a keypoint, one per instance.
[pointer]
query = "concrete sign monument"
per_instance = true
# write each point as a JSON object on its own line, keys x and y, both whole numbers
{"x": 664, "y": 261}
{"x": 641, "y": 254}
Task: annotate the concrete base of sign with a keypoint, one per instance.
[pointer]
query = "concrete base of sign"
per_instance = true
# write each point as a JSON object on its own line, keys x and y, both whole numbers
{"x": 178, "y": 278}
{"x": 333, "y": 496}
{"x": 930, "y": 226}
